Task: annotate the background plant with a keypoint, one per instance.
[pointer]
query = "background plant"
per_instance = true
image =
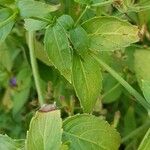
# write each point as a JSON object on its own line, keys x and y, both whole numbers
{"x": 80, "y": 63}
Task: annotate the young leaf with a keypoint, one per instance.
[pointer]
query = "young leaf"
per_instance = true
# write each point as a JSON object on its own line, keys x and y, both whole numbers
{"x": 45, "y": 131}
{"x": 90, "y": 132}
{"x": 31, "y": 8}
{"x": 7, "y": 20}
{"x": 35, "y": 24}
{"x": 87, "y": 81}
{"x": 6, "y": 143}
{"x": 79, "y": 39}
{"x": 58, "y": 49}
{"x": 145, "y": 144}
{"x": 65, "y": 21}
{"x": 110, "y": 33}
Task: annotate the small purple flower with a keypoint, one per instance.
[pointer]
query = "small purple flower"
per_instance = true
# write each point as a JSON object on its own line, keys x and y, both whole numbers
{"x": 13, "y": 82}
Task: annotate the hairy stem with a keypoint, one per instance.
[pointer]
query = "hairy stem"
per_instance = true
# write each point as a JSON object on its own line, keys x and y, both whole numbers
{"x": 35, "y": 67}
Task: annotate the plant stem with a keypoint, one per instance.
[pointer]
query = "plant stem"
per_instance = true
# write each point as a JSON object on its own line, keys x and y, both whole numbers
{"x": 136, "y": 132}
{"x": 125, "y": 84}
{"x": 35, "y": 67}
{"x": 84, "y": 11}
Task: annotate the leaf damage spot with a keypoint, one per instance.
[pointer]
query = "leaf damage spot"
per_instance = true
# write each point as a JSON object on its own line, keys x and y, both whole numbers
{"x": 48, "y": 108}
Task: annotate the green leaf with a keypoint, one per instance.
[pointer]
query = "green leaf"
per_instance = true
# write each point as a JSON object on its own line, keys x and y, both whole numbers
{"x": 7, "y": 20}
{"x": 140, "y": 6}
{"x": 145, "y": 144}
{"x": 45, "y": 131}
{"x": 66, "y": 22}
{"x": 94, "y": 2}
{"x": 6, "y": 60}
{"x": 34, "y": 25}
{"x": 90, "y": 132}
{"x": 41, "y": 53}
{"x": 79, "y": 39}
{"x": 31, "y": 8}
{"x": 146, "y": 90}
{"x": 21, "y": 93}
{"x": 87, "y": 2}
{"x": 6, "y": 143}
{"x": 87, "y": 81}
{"x": 19, "y": 99}
{"x": 58, "y": 49}
{"x": 110, "y": 33}
{"x": 4, "y": 2}
{"x": 112, "y": 89}
{"x": 8, "y": 53}
{"x": 129, "y": 121}
{"x": 141, "y": 64}
{"x": 142, "y": 69}
{"x": 126, "y": 85}
{"x": 64, "y": 147}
